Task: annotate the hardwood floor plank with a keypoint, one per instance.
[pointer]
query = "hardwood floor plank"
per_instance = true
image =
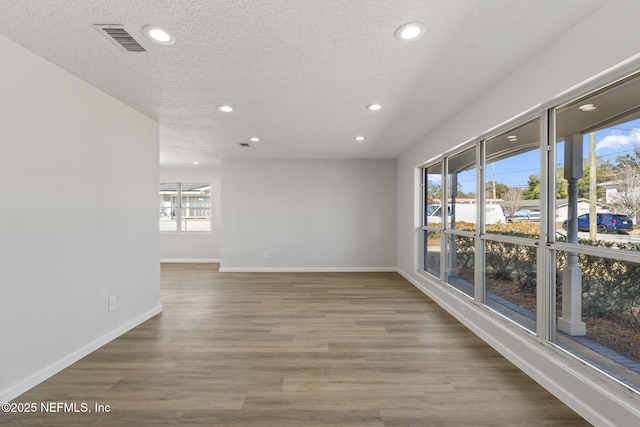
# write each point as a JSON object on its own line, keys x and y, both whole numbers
{"x": 296, "y": 349}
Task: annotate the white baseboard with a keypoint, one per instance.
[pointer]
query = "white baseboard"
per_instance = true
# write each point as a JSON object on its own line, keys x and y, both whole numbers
{"x": 307, "y": 269}
{"x": 572, "y": 381}
{"x": 189, "y": 261}
{"x": 47, "y": 372}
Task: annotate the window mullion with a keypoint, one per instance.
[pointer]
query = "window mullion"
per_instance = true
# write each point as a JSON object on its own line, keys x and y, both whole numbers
{"x": 444, "y": 203}
{"x": 545, "y": 286}
{"x": 179, "y": 208}
{"x": 479, "y": 276}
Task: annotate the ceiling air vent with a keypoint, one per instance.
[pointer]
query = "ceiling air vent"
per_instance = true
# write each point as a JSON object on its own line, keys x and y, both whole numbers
{"x": 121, "y": 37}
{"x": 244, "y": 144}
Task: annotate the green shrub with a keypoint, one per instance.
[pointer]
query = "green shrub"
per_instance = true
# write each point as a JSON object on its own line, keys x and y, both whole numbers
{"x": 610, "y": 287}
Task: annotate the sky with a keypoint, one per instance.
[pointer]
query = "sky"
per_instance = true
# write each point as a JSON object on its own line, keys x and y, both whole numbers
{"x": 611, "y": 143}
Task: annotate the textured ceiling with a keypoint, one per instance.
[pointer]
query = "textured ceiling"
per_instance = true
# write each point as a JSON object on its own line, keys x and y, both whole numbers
{"x": 298, "y": 73}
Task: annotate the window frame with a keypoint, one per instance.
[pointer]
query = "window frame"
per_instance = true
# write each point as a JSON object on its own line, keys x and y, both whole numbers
{"x": 547, "y": 244}
{"x": 178, "y": 205}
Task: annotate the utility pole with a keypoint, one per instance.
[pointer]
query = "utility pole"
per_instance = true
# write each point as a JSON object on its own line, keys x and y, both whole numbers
{"x": 493, "y": 180}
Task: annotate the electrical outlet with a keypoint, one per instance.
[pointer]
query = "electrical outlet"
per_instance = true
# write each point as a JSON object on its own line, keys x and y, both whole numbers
{"x": 266, "y": 254}
{"x": 112, "y": 303}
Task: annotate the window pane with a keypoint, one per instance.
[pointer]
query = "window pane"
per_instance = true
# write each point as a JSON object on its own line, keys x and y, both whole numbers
{"x": 195, "y": 219}
{"x": 513, "y": 179}
{"x": 432, "y": 252}
{"x": 169, "y": 187}
{"x": 167, "y": 219}
{"x": 460, "y": 263}
{"x": 598, "y": 166}
{"x": 432, "y": 216}
{"x": 462, "y": 190}
{"x": 196, "y": 202}
{"x": 511, "y": 281}
{"x": 597, "y": 311}
{"x": 185, "y": 206}
{"x": 168, "y": 206}
{"x": 432, "y": 195}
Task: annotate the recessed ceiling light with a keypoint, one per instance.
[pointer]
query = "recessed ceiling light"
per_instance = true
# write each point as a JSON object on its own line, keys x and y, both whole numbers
{"x": 512, "y": 138}
{"x": 374, "y": 107}
{"x": 225, "y": 108}
{"x": 359, "y": 138}
{"x": 410, "y": 31}
{"x": 587, "y": 107}
{"x": 158, "y": 35}
{"x": 195, "y": 163}
{"x": 254, "y": 139}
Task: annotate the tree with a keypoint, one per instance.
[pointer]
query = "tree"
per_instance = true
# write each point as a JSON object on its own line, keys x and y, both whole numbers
{"x": 434, "y": 191}
{"x": 461, "y": 194}
{"x": 512, "y": 198}
{"x": 500, "y": 189}
{"x": 630, "y": 160}
{"x": 532, "y": 192}
{"x": 626, "y": 198}
{"x": 603, "y": 173}
{"x": 562, "y": 185}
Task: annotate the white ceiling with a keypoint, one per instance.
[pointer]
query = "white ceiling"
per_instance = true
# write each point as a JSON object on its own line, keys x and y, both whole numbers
{"x": 298, "y": 73}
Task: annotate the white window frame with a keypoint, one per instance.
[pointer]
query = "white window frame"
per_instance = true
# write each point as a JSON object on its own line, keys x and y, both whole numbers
{"x": 179, "y": 206}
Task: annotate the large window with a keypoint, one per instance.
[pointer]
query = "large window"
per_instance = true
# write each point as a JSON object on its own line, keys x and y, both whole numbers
{"x": 597, "y": 246}
{"x": 539, "y": 223}
{"x": 512, "y": 180}
{"x": 432, "y": 217}
{"x": 460, "y": 227}
{"x": 185, "y": 206}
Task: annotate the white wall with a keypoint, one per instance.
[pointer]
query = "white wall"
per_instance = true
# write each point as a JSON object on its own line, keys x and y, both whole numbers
{"x": 200, "y": 246}
{"x": 78, "y": 222}
{"x": 308, "y": 215}
{"x": 609, "y": 38}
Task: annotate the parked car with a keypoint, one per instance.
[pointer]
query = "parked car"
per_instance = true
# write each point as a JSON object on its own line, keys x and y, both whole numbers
{"x": 521, "y": 215}
{"x": 534, "y": 216}
{"x": 606, "y": 223}
{"x": 525, "y": 215}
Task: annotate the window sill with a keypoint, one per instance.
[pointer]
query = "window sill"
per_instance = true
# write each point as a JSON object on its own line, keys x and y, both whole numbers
{"x": 176, "y": 233}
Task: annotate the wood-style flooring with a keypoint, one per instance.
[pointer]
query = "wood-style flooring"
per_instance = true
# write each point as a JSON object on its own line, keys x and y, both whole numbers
{"x": 294, "y": 349}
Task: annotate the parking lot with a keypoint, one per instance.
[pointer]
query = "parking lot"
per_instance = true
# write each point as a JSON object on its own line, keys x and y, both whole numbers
{"x": 609, "y": 237}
